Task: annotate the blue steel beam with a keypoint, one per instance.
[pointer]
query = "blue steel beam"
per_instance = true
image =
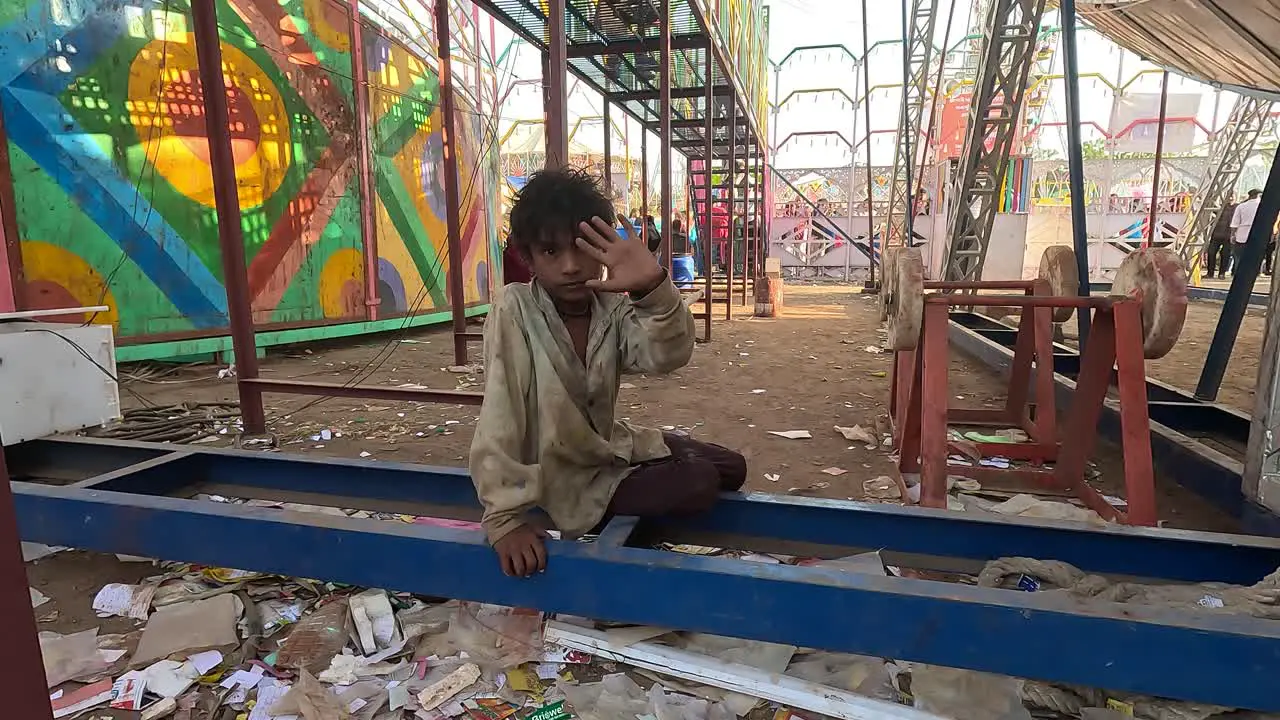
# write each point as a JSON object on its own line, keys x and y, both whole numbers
{"x": 1214, "y": 658}
{"x": 1168, "y": 554}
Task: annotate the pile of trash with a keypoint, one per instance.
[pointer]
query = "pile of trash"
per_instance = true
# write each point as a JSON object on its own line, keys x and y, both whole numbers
{"x": 230, "y": 644}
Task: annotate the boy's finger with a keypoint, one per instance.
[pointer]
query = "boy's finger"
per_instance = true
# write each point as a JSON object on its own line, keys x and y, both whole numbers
{"x": 517, "y": 563}
{"x": 530, "y": 561}
{"x": 504, "y": 560}
{"x": 629, "y": 231}
{"x": 605, "y": 285}
{"x": 595, "y": 252}
{"x": 540, "y": 553}
{"x": 606, "y": 229}
{"x": 589, "y": 233}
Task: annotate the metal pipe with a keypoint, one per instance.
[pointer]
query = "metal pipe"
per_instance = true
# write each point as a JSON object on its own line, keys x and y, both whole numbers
{"x": 371, "y": 392}
{"x": 204, "y": 25}
{"x": 866, "y": 110}
{"x": 1075, "y": 158}
{"x": 364, "y": 151}
{"x": 664, "y": 129}
{"x": 608, "y": 152}
{"x": 733, "y": 206}
{"x": 908, "y": 224}
{"x": 853, "y": 167}
{"x": 708, "y": 151}
{"x": 644, "y": 184}
{"x": 25, "y": 682}
{"x": 748, "y": 215}
{"x": 452, "y": 199}
{"x": 557, "y": 97}
{"x": 1155, "y": 172}
{"x": 1243, "y": 276}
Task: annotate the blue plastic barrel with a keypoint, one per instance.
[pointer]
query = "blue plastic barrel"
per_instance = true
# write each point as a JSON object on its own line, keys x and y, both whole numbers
{"x": 682, "y": 267}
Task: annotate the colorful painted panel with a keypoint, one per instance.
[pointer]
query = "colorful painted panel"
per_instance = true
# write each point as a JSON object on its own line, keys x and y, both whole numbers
{"x": 114, "y": 195}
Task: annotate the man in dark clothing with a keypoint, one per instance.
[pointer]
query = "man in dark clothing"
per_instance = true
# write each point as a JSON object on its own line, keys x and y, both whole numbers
{"x": 1219, "y": 251}
{"x": 679, "y": 240}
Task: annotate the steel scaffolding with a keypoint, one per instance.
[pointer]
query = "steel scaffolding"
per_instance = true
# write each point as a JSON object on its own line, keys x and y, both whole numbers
{"x": 1009, "y": 49}
{"x": 907, "y": 156}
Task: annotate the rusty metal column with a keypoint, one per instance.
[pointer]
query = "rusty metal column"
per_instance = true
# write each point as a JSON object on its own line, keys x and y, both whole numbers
{"x": 730, "y": 174}
{"x": 748, "y": 213}
{"x": 1153, "y": 217}
{"x": 364, "y": 153}
{"x": 664, "y": 128}
{"x": 25, "y": 696}
{"x": 452, "y": 199}
{"x": 708, "y": 153}
{"x": 204, "y": 24}
{"x": 644, "y": 183}
{"x": 866, "y": 110}
{"x": 608, "y": 153}
{"x": 556, "y": 124}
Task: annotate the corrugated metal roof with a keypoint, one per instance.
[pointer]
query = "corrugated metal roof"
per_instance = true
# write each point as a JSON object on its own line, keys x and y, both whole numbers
{"x": 1233, "y": 43}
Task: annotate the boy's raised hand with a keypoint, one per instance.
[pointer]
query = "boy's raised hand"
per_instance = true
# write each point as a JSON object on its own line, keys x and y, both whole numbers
{"x": 632, "y": 268}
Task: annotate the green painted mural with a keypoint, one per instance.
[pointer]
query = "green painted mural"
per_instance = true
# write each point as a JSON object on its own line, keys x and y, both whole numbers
{"x": 113, "y": 191}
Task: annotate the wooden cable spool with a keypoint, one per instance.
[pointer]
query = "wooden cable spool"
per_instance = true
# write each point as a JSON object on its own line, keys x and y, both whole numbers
{"x": 1159, "y": 277}
{"x": 1058, "y": 268}
{"x": 905, "y": 299}
{"x": 888, "y": 261}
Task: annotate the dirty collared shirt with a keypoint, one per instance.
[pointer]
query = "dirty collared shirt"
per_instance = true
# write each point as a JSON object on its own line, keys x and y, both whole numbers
{"x": 546, "y": 436}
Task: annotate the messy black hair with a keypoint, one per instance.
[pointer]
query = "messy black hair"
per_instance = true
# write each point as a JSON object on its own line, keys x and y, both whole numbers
{"x": 1254, "y": 193}
{"x": 552, "y": 203}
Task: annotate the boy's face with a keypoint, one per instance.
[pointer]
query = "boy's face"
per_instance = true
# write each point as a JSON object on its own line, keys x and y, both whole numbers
{"x": 562, "y": 268}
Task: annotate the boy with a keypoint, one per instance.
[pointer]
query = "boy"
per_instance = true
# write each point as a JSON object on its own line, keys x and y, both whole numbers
{"x": 554, "y": 349}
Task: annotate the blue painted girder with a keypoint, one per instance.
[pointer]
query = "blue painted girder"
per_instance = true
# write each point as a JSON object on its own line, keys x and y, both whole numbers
{"x": 1228, "y": 660}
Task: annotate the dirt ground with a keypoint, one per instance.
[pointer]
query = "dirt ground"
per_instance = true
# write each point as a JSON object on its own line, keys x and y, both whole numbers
{"x": 1181, "y": 367}
{"x": 808, "y": 370}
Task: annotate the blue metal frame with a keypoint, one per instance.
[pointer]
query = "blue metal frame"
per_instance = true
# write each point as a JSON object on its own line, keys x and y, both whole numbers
{"x": 129, "y": 509}
{"x": 1177, "y": 419}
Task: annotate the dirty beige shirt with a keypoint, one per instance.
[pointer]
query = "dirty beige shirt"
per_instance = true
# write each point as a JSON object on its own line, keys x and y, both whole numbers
{"x": 546, "y": 436}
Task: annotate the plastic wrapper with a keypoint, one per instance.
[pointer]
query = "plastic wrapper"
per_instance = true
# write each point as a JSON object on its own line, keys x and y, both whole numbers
{"x": 951, "y": 692}
{"x": 67, "y": 657}
{"x": 855, "y": 673}
{"x": 615, "y": 697}
{"x": 496, "y": 637}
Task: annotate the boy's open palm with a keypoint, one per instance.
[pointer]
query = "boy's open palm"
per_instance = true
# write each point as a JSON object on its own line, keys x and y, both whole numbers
{"x": 632, "y": 268}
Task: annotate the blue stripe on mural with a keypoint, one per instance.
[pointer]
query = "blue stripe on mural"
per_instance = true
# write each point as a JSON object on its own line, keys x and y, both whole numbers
{"x": 38, "y": 124}
{"x": 37, "y": 35}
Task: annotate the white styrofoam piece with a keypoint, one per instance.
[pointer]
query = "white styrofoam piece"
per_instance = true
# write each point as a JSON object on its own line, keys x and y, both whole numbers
{"x": 51, "y": 312}
{"x": 744, "y": 679}
{"x": 47, "y": 386}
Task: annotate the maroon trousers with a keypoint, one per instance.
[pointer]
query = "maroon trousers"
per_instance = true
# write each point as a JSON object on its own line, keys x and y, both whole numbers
{"x": 686, "y": 482}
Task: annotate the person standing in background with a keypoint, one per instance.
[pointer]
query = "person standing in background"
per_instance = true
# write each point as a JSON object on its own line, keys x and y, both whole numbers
{"x": 1218, "y": 258}
{"x": 1241, "y": 223}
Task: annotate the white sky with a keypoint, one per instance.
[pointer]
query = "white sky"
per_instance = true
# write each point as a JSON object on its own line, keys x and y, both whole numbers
{"x": 793, "y": 23}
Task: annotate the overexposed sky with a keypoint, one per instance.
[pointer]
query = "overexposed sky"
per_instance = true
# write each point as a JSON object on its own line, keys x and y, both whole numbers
{"x": 795, "y": 23}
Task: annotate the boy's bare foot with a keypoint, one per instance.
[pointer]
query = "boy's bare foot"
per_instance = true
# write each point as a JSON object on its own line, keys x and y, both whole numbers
{"x": 522, "y": 552}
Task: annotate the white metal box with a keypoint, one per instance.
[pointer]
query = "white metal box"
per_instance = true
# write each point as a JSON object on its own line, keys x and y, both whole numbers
{"x": 54, "y": 378}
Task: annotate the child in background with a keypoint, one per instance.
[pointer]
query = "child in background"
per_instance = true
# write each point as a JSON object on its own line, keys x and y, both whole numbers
{"x": 554, "y": 351}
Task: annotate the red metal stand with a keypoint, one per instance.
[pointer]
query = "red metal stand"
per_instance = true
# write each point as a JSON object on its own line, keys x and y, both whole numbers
{"x": 920, "y": 402}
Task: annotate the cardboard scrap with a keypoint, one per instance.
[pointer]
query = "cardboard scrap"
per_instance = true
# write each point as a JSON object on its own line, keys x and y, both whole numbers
{"x": 792, "y": 434}
{"x": 189, "y": 626}
{"x": 435, "y": 694}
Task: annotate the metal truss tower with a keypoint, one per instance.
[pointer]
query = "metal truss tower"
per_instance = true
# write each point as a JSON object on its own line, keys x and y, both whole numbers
{"x": 1227, "y": 155}
{"x": 1009, "y": 50}
{"x": 917, "y": 51}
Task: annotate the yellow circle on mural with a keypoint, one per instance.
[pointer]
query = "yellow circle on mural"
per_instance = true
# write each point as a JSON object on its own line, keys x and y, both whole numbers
{"x": 57, "y": 278}
{"x": 341, "y": 291}
{"x": 166, "y": 109}
{"x": 321, "y": 15}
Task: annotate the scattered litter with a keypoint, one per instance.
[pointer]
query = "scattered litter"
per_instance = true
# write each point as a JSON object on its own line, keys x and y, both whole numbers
{"x": 834, "y": 471}
{"x": 466, "y": 369}
{"x": 317, "y": 638}
{"x": 874, "y": 349}
{"x": 81, "y": 699}
{"x": 189, "y": 626}
{"x": 34, "y": 551}
{"x": 813, "y": 489}
{"x": 772, "y": 477}
{"x": 120, "y": 600}
{"x": 365, "y": 454}
{"x": 881, "y": 488}
{"x": 1023, "y": 505}
{"x": 861, "y": 434}
{"x": 626, "y": 386}
{"x": 759, "y": 391}
{"x": 37, "y": 598}
{"x": 435, "y": 694}
{"x": 792, "y": 434}
{"x": 68, "y": 657}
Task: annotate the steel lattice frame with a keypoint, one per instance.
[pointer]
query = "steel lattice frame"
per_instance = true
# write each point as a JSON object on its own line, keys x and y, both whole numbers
{"x": 1227, "y": 156}
{"x": 1009, "y": 49}
{"x": 918, "y": 51}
